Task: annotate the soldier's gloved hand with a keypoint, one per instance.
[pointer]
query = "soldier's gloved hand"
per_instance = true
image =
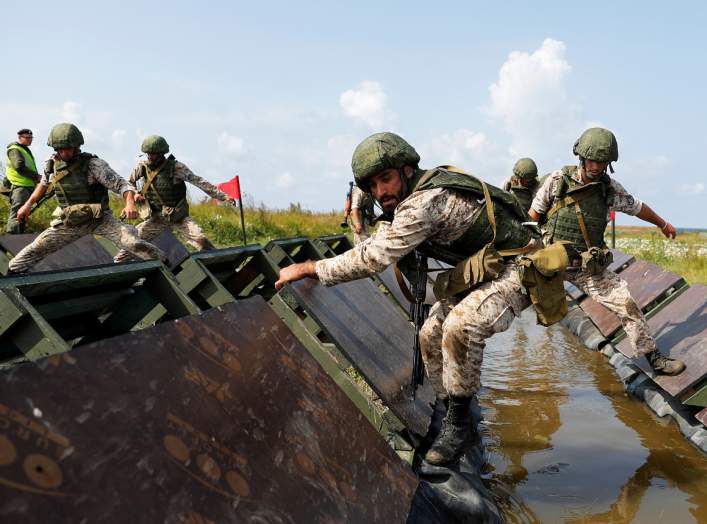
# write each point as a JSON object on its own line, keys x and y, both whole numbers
{"x": 130, "y": 211}
{"x": 668, "y": 230}
{"x": 23, "y": 212}
{"x": 296, "y": 272}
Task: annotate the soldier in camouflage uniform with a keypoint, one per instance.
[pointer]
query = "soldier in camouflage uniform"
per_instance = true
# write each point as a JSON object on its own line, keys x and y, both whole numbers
{"x": 442, "y": 213}
{"x": 361, "y": 214}
{"x": 21, "y": 177}
{"x": 524, "y": 182}
{"x": 165, "y": 192}
{"x": 81, "y": 181}
{"x": 574, "y": 203}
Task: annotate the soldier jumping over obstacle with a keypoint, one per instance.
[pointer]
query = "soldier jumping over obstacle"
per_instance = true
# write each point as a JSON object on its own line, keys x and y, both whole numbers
{"x": 81, "y": 181}
{"x": 524, "y": 182}
{"x": 164, "y": 189}
{"x": 442, "y": 212}
{"x": 574, "y": 204}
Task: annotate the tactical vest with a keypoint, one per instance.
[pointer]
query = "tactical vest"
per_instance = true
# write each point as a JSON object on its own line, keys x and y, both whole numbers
{"x": 510, "y": 233}
{"x": 14, "y": 176}
{"x": 73, "y": 187}
{"x": 163, "y": 191}
{"x": 524, "y": 194}
{"x": 574, "y": 199}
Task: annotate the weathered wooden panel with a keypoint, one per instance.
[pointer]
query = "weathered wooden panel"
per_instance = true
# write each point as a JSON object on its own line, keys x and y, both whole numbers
{"x": 574, "y": 292}
{"x": 84, "y": 252}
{"x": 173, "y": 248}
{"x": 222, "y": 417}
{"x": 646, "y": 283}
{"x": 680, "y": 330}
{"x": 373, "y": 335}
{"x": 621, "y": 261}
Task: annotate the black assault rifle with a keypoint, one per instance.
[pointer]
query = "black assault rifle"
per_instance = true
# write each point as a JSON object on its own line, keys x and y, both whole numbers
{"x": 418, "y": 314}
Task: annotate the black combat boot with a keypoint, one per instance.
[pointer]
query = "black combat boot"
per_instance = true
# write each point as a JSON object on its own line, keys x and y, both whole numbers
{"x": 456, "y": 431}
{"x": 664, "y": 365}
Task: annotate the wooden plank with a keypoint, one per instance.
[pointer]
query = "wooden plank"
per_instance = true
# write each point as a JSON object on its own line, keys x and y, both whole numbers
{"x": 173, "y": 248}
{"x": 574, "y": 292}
{"x": 680, "y": 331}
{"x": 84, "y": 252}
{"x": 372, "y": 334}
{"x": 221, "y": 417}
{"x": 621, "y": 261}
{"x": 647, "y": 283}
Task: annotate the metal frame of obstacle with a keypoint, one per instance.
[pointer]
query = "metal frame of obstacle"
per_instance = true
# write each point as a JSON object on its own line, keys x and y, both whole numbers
{"x": 49, "y": 313}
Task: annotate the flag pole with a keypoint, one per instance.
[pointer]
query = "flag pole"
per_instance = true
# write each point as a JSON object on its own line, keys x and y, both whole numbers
{"x": 240, "y": 206}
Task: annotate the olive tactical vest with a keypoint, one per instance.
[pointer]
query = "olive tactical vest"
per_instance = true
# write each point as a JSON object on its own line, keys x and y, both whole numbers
{"x": 524, "y": 194}
{"x": 572, "y": 199}
{"x": 163, "y": 191}
{"x": 510, "y": 233}
{"x": 73, "y": 187}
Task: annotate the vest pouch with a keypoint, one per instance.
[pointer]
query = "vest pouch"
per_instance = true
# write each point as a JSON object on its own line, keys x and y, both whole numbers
{"x": 176, "y": 213}
{"x": 596, "y": 260}
{"x": 144, "y": 210}
{"x": 78, "y": 214}
{"x": 543, "y": 279}
{"x": 483, "y": 266}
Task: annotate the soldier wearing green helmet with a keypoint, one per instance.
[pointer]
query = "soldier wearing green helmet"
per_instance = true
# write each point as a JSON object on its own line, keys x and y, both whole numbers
{"x": 574, "y": 205}
{"x": 163, "y": 196}
{"x": 81, "y": 182}
{"x": 524, "y": 182}
{"x": 454, "y": 217}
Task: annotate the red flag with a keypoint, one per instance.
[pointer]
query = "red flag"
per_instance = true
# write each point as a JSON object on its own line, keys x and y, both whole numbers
{"x": 232, "y": 188}
{"x": 613, "y": 213}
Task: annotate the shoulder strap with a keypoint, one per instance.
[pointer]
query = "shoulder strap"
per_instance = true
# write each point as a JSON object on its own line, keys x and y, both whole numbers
{"x": 573, "y": 199}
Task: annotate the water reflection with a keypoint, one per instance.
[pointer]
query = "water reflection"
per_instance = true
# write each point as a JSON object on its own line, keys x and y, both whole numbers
{"x": 566, "y": 445}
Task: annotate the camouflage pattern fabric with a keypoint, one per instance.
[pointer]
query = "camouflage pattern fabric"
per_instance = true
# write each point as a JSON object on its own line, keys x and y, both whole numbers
{"x": 454, "y": 336}
{"x": 18, "y": 197}
{"x": 609, "y": 290}
{"x": 183, "y": 174}
{"x": 99, "y": 172}
{"x": 364, "y": 203}
{"x": 154, "y": 226}
{"x": 54, "y": 238}
{"x": 623, "y": 201}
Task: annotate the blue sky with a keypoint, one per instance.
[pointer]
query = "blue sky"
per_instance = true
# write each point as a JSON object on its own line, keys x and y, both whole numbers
{"x": 280, "y": 93}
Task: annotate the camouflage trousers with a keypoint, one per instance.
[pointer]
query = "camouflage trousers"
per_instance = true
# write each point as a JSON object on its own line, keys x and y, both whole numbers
{"x": 610, "y": 291}
{"x": 155, "y": 225}
{"x": 18, "y": 197}
{"x": 453, "y": 338}
{"x": 54, "y": 238}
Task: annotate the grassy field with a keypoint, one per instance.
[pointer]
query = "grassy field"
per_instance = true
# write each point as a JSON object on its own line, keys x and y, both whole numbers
{"x": 686, "y": 256}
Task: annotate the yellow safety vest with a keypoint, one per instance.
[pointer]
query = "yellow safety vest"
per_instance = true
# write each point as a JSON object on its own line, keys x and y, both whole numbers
{"x": 15, "y": 178}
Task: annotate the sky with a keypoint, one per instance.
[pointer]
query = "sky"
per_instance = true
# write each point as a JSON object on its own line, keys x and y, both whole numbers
{"x": 280, "y": 93}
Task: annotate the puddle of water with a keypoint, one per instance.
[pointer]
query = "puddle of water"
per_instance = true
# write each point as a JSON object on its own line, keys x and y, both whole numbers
{"x": 566, "y": 444}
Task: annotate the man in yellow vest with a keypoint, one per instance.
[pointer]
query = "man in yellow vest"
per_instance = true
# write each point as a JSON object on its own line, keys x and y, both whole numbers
{"x": 21, "y": 176}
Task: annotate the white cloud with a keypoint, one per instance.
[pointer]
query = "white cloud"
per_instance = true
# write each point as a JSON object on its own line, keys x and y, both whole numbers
{"x": 118, "y": 136}
{"x": 367, "y": 104}
{"x": 71, "y": 112}
{"x": 285, "y": 180}
{"x": 692, "y": 189}
{"x": 530, "y": 98}
{"x": 230, "y": 144}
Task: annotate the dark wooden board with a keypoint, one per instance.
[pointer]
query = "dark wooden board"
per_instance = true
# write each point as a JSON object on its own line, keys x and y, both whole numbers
{"x": 621, "y": 261}
{"x": 680, "y": 331}
{"x": 373, "y": 335}
{"x": 220, "y": 417}
{"x": 84, "y": 252}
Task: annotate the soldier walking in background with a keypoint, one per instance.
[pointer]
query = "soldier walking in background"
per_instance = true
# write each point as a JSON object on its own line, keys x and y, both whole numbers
{"x": 21, "y": 177}
{"x": 524, "y": 182}
{"x": 361, "y": 214}
{"x": 164, "y": 193}
{"x": 81, "y": 182}
{"x": 574, "y": 204}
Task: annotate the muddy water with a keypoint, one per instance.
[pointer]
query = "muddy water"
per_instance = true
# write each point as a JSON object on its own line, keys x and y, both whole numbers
{"x": 566, "y": 444}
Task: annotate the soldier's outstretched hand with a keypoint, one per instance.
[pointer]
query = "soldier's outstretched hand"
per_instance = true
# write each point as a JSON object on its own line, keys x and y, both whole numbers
{"x": 668, "y": 230}
{"x": 296, "y": 272}
{"x": 23, "y": 213}
{"x": 130, "y": 211}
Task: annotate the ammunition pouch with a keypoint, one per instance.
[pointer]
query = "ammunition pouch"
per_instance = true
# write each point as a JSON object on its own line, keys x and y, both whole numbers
{"x": 596, "y": 260}
{"x": 77, "y": 214}
{"x": 483, "y": 266}
{"x": 543, "y": 278}
{"x": 176, "y": 213}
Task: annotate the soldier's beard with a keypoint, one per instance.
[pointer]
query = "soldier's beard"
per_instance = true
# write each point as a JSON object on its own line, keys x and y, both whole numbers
{"x": 388, "y": 203}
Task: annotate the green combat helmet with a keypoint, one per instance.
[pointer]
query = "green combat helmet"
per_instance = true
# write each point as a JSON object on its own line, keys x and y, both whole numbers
{"x": 525, "y": 168}
{"x": 379, "y": 152}
{"x": 155, "y": 144}
{"x": 597, "y": 144}
{"x": 65, "y": 135}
